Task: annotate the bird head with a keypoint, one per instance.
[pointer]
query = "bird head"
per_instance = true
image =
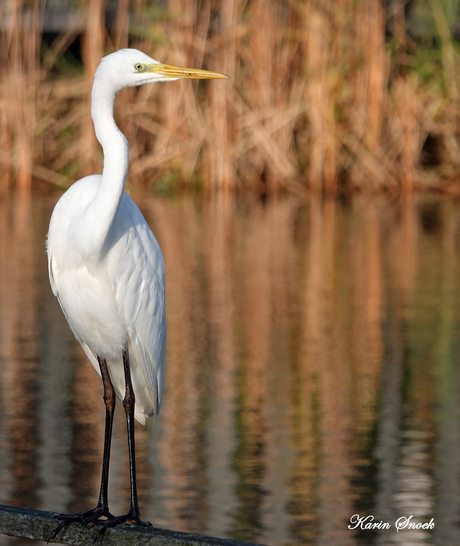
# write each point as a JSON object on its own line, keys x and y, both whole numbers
{"x": 130, "y": 68}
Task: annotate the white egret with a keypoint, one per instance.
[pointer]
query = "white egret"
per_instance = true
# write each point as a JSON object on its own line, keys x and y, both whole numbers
{"x": 107, "y": 271}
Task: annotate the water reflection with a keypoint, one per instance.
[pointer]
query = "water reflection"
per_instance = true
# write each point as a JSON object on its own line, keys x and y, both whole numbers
{"x": 312, "y": 373}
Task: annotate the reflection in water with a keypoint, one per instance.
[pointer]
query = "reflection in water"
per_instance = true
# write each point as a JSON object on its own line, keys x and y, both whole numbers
{"x": 311, "y": 373}
{"x": 19, "y": 354}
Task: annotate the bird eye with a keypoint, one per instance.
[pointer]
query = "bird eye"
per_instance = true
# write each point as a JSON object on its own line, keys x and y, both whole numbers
{"x": 138, "y": 67}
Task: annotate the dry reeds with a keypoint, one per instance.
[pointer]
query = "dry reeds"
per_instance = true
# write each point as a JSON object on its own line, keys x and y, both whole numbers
{"x": 20, "y": 72}
{"x": 318, "y": 99}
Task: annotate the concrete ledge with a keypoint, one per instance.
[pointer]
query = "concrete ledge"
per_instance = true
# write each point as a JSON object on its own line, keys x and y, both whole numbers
{"x": 38, "y": 525}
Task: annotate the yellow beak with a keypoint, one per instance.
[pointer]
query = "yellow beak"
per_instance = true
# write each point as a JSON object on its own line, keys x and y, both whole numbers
{"x": 188, "y": 73}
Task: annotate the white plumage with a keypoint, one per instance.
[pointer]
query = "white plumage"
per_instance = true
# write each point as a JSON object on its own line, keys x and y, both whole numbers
{"x": 105, "y": 265}
{"x": 113, "y": 298}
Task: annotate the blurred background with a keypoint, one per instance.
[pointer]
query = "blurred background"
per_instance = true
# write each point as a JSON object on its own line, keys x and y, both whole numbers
{"x": 308, "y": 213}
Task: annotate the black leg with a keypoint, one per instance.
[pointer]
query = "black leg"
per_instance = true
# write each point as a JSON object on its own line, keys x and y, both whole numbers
{"x": 102, "y": 509}
{"x": 128, "y": 404}
{"x": 110, "y": 401}
{"x": 133, "y": 515}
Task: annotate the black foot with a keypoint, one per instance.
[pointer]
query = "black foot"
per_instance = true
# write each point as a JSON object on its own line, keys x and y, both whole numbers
{"x": 131, "y": 517}
{"x": 87, "y": 519}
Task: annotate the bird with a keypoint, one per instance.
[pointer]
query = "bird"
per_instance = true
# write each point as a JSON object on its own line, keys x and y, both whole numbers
{"x": 107, "y": 272}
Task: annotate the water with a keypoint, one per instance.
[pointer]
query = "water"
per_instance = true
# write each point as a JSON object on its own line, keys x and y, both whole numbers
{"x": 311, "y": 373}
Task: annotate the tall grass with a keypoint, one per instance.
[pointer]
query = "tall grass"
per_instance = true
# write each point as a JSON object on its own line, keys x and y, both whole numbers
{"x": 320, "y": 97}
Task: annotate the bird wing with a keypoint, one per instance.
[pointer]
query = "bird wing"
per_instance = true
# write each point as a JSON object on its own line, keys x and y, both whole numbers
{"x": 139, "y": 288}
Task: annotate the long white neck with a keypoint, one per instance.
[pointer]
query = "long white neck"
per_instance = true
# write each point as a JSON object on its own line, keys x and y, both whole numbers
{"x": 116, "y": 162}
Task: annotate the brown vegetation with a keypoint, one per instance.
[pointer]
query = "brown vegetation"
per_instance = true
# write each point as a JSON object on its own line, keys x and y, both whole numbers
{"x": 318, "y": 98}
